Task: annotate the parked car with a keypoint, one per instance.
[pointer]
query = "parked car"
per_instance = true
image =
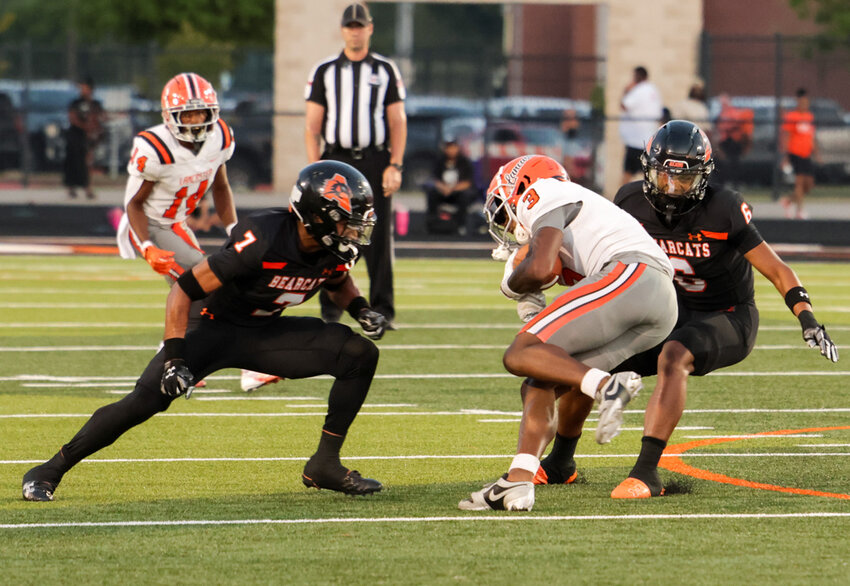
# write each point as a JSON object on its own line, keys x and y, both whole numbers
{"x": 43, "y": 107}
{"x": 832, "y": 135}
{"x": 251, "y": 118}
{"x": 540, "y": 119}
{"x": 428, "y": 120}
{"x": 11, "y": 133}
{"x": 493, "y": 132}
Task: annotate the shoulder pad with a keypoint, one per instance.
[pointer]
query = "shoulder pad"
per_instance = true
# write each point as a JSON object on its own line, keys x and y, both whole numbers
{"x": 226, "y": 134}
{"x": 158, "y": 145}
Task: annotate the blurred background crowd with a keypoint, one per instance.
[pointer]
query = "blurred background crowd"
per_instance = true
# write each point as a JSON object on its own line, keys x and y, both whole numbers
{"x": 495, "y": 100}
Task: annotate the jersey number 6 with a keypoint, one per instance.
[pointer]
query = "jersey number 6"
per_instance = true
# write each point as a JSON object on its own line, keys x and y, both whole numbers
{"x": 683, "y": 275}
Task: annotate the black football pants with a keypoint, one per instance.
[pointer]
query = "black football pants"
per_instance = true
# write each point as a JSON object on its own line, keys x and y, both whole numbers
{"x": 288, "y": 347}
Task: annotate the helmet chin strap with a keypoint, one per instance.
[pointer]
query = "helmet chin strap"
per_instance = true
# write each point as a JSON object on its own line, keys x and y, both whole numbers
{"x": 521, "y": 234}
{"x": 668, "y": 213}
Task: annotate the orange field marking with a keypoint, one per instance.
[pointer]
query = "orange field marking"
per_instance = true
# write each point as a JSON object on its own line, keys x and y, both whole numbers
{"x": 88, "y": 249}
{"x": 675, "y": 464}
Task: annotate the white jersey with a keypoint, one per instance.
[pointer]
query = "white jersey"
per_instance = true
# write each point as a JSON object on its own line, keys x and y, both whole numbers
{"x": 181, "y": 177}
{"x": 600, "y": 233}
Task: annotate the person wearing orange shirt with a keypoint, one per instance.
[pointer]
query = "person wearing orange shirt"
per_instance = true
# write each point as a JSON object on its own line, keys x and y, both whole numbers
{"x": 800, "y": 150}
{"x": 734, "y": 128}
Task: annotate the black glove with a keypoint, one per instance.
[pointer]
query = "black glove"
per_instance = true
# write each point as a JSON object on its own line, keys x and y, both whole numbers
{"x": 177, "y": 379}
{"x": 816, "y": 337}
{"x": 374, "y": 324}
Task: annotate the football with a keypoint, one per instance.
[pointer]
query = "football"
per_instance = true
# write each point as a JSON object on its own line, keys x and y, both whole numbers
{"x": 557, "y": 268}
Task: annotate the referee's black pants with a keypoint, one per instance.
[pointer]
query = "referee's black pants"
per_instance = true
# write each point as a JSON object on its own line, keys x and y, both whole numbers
{"x": 379, "y": 254}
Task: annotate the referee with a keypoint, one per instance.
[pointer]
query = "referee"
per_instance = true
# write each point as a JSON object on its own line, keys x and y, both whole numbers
{"x": 355, "y": 107}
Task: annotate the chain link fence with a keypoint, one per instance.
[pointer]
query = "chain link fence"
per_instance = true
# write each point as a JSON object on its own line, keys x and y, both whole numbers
{"x": 475, "y": 99}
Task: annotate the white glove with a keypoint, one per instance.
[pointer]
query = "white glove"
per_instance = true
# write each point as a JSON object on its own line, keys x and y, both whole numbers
{"x": 509, "y": 269}
{"x": 529, "y": 305}
{"x": 501, "y": 252}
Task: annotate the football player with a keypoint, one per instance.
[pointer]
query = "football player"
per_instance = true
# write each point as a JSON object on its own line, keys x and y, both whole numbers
{"x": 712, "y": 243}
{"x": 566, "y": 349}
{"x": 273, "y": 259}
{"x": 171, "y": 168}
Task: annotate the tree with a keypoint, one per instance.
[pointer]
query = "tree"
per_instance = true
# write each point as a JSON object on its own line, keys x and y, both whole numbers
{"x": 833, "y": 15}
{"x": 248, "y": 22}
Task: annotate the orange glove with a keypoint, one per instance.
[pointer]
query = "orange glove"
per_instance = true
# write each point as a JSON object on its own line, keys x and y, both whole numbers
{"x": 161, "y": 260}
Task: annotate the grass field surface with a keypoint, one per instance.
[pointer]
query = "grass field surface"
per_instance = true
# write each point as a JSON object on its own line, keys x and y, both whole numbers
{"x": 210, "y": 491}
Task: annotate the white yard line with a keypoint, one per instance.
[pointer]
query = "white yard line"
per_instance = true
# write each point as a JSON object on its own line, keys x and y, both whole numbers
{"x": 460, "y": 518}
{"x": 461, "y": 412}
{"x": 432, "y": 457}
{"x": 405, "y": 347}
{"x": 402, "y": 326}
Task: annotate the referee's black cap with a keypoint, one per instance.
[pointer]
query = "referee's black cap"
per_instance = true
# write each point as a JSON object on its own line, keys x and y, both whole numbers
{"x": 356, "y": 13}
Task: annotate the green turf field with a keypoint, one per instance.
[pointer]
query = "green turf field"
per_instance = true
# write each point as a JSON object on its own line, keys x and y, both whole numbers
{"x": 210, "y": 491}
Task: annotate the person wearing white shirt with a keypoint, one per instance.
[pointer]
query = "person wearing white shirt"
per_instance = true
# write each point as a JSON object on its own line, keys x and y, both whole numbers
{"x": 642, "y": 110}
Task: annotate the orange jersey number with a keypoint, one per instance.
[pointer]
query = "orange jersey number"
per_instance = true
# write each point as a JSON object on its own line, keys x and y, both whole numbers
{"x": 191, "y": 203}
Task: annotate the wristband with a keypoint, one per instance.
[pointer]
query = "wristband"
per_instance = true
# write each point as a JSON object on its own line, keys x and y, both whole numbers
{"x": 174, "y": 348}
{"x": 356, "y": 306}
{"x": 797, "y": 295}
{"x": 397, "y": 166}
{"x": 145, "y": 245}
{"x": 189, "y": 283}
{"x": 807, "y": 320}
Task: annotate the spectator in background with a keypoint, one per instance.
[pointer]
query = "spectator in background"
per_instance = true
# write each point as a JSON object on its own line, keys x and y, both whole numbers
{"x": 86, "y": 117}
{"x": 355, "y": 114}
{"x": 799, "y": 148}
{"x": 573, "y": 146}
{"x": 642, "y": 109}
{"x": 694, "y": 108}
{"x": 734, "y": 129}
{"x": 450, "y": 190}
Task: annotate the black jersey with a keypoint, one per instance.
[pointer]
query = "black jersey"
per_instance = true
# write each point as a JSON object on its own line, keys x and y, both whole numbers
{"x": 705, "y": 246}
{"x": 263, "y": 271}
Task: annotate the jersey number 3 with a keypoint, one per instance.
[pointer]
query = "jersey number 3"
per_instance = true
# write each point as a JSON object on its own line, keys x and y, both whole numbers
{"x": 684, "y": 275}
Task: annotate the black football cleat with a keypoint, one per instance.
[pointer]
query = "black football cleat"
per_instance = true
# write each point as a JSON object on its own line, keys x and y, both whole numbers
{"x": 341, "y": 480}
{"x": 36, "y": 486}
{"x": 37, "y": 490}
{"x": 551, "y": 473}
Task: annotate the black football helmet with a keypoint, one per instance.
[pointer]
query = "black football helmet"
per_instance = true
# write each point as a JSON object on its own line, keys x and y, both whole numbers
{"x": 328, "y": 192}
{"x": 676, "y": 165}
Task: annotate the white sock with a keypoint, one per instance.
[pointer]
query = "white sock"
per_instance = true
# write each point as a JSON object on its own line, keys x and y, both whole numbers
{"x": 591, "y": 380}
{"x": 527, "y": 462}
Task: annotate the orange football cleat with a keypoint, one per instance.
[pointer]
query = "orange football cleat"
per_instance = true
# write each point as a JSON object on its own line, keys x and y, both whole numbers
{"x": 632, "y": 488}
{"x": 541, "y": 477}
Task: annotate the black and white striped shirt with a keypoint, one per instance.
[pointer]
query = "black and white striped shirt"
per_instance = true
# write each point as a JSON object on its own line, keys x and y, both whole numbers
{"x": 355, "y": 95}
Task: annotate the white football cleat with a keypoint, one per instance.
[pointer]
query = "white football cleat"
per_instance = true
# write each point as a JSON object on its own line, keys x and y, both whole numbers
{"x": 613, "y": 398}
{"x": 251, "y": 381}
{"x": 501, "y": 495}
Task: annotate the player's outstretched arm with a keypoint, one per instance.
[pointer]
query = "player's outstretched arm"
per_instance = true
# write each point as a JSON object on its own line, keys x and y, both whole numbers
{"x": 192, "y": 285}
{"x": 346, "y": 295}
{"x": 783, "y": 277}
{"x": 223, "y": 199}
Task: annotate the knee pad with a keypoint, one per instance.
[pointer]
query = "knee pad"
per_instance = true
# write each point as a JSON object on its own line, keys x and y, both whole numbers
{"x": 358, "y": 357}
